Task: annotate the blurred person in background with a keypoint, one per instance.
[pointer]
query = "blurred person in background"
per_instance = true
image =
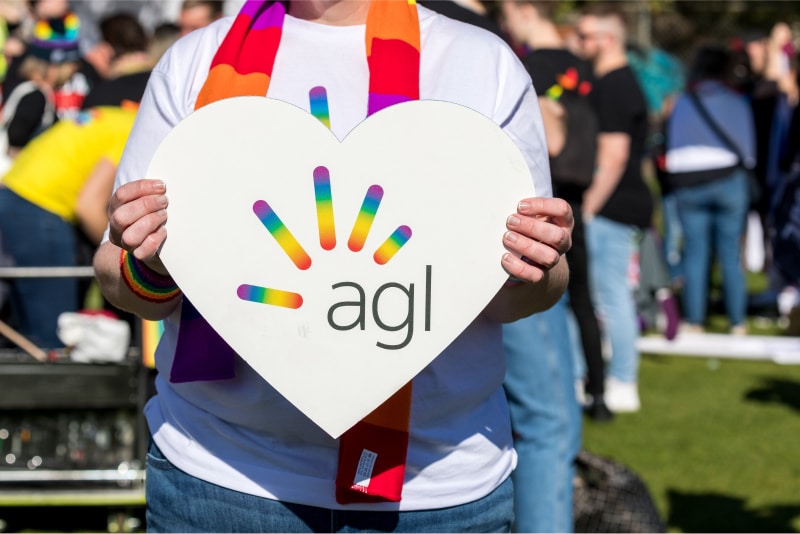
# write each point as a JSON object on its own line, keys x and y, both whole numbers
{"x": 12, "y": 14}
{"x": 563, "y": 83}
{"x": 662, "y": 77}
{"x": 710, "y": 144}
{"x": 164, "y": 35}
{"x": 196, "y": 14}
{"x": 473, "y": 12}
{"x": 539, "y": 379}
{"x": 80, "y": 74}
{"x": 51, "y": 59}
{"x": 618, "y": 205}
{"x": 130, "y": 62}
{"x": 765, "y": 71}
{"x": 57, "y": 184}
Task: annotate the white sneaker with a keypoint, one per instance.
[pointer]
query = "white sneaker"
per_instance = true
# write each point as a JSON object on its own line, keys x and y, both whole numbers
{"x": 739, "y": 330}
{"x": 622, "y": 396}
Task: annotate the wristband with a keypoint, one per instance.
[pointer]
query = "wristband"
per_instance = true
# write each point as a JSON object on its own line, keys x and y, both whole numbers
{"x": 144, "y": 282}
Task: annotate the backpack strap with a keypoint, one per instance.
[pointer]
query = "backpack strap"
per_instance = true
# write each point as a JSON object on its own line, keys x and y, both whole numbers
{"x": 694, "y": 98}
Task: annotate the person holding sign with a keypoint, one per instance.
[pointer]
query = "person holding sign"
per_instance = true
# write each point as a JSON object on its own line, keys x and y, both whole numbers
{"x": 231, "y": 453}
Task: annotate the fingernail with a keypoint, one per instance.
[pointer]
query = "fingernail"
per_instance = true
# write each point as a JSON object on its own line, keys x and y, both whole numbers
{"x": 159, "y": 185}
{"x": 513, "y": 220}
{"x": 511, "y": 237}
{"x": 524, "y": 205}
{"x": 162, "y": 200}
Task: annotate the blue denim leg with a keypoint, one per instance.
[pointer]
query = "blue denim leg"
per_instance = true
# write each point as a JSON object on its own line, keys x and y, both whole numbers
{"x": 697, "y": 218}
{"x": 673, "y": 237}
{"x": 578, "y": 357}
{"x": 730, "y": 225}
{"x": 178, "y": 502}
{"x": 37, "y": 238}
{"x": 611, "y": 246}
{"x": 713, "y": 215}
{"x": 546, "y": 419}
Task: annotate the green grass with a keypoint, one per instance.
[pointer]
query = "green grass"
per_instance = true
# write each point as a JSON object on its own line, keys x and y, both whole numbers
{"x": 716, "y": 442}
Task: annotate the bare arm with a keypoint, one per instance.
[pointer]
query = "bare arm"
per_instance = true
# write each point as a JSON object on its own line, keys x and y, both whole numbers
{"x": 613, "y": 150}
{"x": 541, "y": 232}
{"x": 92, "y": 207}
{"x": 137, "y": 213}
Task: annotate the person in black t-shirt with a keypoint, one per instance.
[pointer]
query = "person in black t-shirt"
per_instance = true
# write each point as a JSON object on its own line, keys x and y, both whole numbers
{"x": 618, "y": 204}
{"x": 539, "y": 382}
{"x": 564, "y": 82}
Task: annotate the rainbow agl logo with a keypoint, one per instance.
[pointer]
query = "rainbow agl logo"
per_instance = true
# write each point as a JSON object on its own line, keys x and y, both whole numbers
{"x": 295, "y": 251}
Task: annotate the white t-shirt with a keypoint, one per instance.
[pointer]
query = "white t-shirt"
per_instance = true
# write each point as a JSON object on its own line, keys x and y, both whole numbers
{"x": 242, "y": 434}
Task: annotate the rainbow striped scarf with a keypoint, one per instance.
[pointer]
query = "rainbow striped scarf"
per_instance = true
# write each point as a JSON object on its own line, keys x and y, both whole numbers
{"x": 243, "y": 66}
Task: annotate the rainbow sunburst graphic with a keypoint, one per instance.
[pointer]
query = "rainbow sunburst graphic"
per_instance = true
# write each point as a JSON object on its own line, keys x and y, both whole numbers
{"x": 327, "y": 238}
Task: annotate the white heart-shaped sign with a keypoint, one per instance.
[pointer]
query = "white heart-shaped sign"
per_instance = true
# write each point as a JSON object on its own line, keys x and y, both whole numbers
{"x": 338, "y": 270}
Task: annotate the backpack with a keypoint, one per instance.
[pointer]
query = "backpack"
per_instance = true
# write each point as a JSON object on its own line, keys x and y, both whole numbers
{"x": 575, "y": 164}
{"x": 10, "y": 109}
{"x": 786, "y": 229}
{"x": 611, "y": 497}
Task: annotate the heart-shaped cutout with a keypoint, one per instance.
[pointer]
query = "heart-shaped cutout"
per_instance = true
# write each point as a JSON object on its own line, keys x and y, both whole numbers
{"x": 338, "y": 270}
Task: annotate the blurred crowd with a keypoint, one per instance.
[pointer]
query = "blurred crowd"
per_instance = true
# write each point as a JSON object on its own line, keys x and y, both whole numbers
{"x": 73, "y": 74}
{"x": 692, "y": 189}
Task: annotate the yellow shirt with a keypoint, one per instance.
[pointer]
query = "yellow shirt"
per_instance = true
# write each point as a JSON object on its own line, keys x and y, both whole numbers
{"x": 51, "y": 170}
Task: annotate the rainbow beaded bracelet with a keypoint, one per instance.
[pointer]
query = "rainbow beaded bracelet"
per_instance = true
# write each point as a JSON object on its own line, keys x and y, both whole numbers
{"x": 144, "y": 282}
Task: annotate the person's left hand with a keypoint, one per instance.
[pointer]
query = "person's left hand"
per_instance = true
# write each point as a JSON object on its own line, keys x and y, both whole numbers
{"x": 538, "y": 235}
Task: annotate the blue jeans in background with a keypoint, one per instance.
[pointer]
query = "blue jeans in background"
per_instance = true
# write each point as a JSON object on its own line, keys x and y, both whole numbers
{"x": 545, "y": 417}
{"x": 714, "y": 216}
{"x": 612, "y": 246}
{"x": 179, "y": 502}
{"x": 672, "y": 238}
{"x": 35, "y": 237}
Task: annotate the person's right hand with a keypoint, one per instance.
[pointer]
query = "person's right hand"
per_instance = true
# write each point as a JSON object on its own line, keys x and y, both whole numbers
{"x": 136, "y": 216}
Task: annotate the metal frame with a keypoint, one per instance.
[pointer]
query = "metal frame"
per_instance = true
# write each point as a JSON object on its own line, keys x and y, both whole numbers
{"x": 123, "y": 485}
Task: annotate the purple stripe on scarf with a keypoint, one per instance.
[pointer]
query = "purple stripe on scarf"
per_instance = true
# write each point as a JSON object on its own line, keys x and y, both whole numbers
{"x": 377, "y": 101}
{"x": 265, "y": 14}
{"x": 251, "y": 8}
{"x": 201, "y": 354}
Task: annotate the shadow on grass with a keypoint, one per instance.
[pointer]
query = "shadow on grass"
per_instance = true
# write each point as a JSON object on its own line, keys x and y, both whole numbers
{"x": 777, "y": 390}
{"x": 713, "y": 512}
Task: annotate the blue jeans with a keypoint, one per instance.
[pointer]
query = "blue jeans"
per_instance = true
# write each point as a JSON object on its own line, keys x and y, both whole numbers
{"x": 178, "y": 502}
{"x": 673, "y": 237}
{"x": 35, "y": 237}
{"x": 714, "y": 215}
{"x": 612, "y": 246}
{"x": 545, "y": 417}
